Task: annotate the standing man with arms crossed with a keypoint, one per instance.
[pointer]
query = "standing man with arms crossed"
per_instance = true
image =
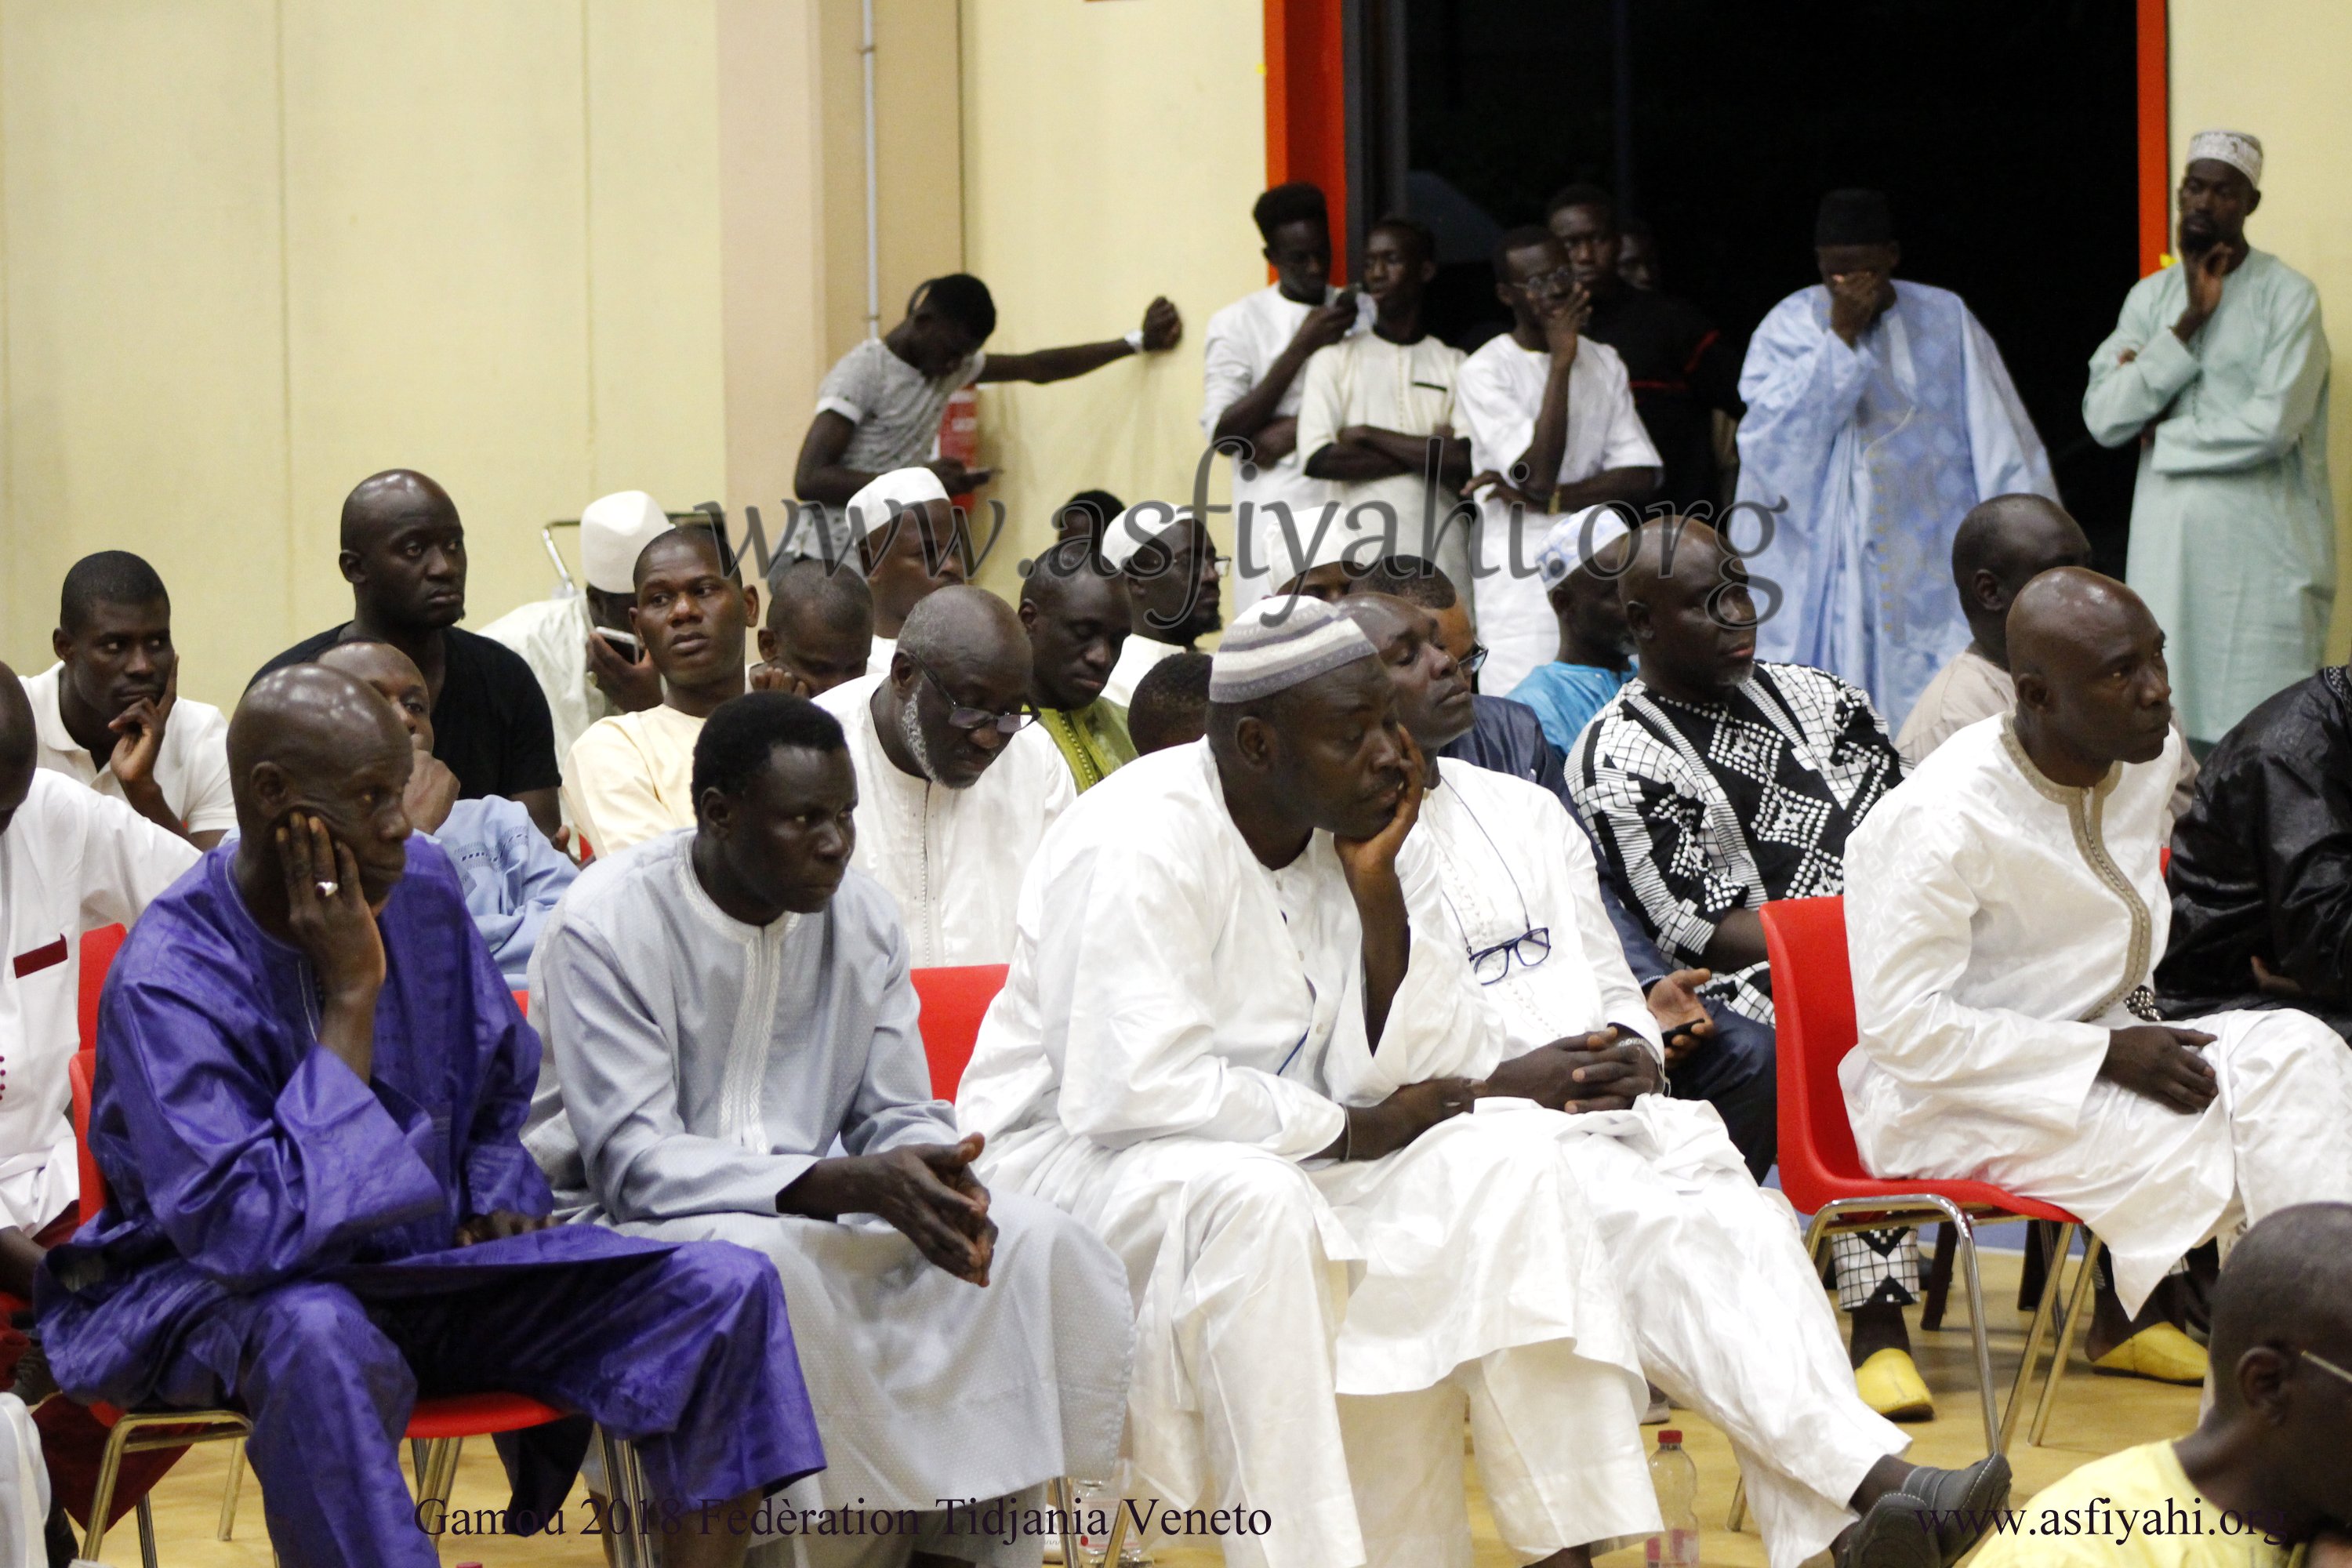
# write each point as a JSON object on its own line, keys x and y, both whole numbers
{"x": 2219, "y": 369}
{"x": 1374, "y": 406}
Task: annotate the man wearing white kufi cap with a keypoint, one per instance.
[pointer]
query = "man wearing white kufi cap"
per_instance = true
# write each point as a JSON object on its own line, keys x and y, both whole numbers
{"x": 1226, "y": 1047}
{"x": 2218, "y": 368}
{"x": 1578, "y": 568}
{"x": 911, "y": 544}
{"x": 1173, "y": 574}
{"x": 574, "y": 642}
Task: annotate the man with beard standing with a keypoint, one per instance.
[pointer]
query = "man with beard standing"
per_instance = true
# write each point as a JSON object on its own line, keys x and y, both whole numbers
{"x": 2219, "y": 370}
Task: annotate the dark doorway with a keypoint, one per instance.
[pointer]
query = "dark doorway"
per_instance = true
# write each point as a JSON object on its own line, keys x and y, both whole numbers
{"x": 2003, "y": 130}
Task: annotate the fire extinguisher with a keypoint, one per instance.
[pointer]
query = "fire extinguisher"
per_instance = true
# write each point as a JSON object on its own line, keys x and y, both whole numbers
{"x": 959, "y": 437}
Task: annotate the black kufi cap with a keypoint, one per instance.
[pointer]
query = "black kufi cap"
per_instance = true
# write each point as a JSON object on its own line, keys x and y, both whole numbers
{"x": 1855, "y": 218}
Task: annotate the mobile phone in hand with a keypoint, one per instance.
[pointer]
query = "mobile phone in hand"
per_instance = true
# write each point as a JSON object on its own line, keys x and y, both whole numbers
{"x": 623, "y": 642}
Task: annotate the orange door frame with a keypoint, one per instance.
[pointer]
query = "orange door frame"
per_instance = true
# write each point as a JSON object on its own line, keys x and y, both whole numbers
{"x": 1307, "y": 105}
{"x": 2154, "y": 136}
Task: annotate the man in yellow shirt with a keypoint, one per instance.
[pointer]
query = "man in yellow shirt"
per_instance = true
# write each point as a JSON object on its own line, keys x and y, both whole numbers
{"x": 2265, "y": 1481}
{"x": 630, "y": 777}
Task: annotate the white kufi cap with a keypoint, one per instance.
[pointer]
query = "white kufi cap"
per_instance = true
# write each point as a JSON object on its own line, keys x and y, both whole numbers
{"x": 1138, "y": 526}
{"x": 614, "y": 532}
{"x": 870, "y": 510}
{"x": 1281, "y": 642}
{"x": 2235, "y": 148}
{"x": 1575, "y": 539}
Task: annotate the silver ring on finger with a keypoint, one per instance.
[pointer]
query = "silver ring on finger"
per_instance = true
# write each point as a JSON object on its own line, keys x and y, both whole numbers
{"x": 326, "y": 889}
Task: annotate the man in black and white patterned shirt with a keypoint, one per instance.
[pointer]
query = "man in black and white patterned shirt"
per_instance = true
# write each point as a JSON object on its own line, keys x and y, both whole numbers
{"x": 1714, "y": 782}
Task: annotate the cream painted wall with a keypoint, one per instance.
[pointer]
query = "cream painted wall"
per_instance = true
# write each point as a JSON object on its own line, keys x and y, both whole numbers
{"x": 254, "y": 250}
{"x": 2277, "y": 68}
{"x": 1110, "y": 154}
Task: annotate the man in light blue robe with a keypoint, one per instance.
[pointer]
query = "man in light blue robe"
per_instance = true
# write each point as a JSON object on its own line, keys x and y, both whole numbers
{"x": 727, "y": 1005}
{"x": 1878, "y": 414}
{"x": 2219, "y": 370}
{"x": 311, "y": 1082}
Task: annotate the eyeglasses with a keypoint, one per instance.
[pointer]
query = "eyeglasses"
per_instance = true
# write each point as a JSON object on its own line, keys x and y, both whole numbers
{"x": 973, "y": 719}
{"x": 1492, "y": 965}
{"x": 1182, "y": 565}
{"x": 1471, "y": 661}
{"x": 1559, "y": 280}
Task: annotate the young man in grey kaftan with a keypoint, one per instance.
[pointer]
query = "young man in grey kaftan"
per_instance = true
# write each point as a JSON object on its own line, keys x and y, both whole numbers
{"x": 701, "y": 1063}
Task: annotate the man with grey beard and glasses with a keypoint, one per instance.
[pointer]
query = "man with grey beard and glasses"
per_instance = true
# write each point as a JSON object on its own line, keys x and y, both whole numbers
{"x": 955, "y": 785}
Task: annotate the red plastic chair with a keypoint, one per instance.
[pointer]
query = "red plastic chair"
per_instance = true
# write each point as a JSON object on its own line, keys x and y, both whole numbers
{"x": 1822, "y": 1173}
{"x": 97, "y": 949}
{"x": 954, "y": 1001}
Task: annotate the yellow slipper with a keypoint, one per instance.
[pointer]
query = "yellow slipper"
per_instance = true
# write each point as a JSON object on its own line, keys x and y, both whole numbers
{"x": 1890, "y": 1385}
{"x": 2162, "y": 1353}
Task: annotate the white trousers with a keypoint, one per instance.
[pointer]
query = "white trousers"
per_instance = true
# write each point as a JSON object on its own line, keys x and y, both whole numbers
{"x": 24, "y": 1489}
{"x": 2152, "y": 1183}
{"x": 1732, "y": 1323}
{"x": 1306, "y": 1339}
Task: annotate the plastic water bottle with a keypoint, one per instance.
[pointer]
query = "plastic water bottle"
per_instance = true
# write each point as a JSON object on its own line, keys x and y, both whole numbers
{"x": 1675, "y": 1480}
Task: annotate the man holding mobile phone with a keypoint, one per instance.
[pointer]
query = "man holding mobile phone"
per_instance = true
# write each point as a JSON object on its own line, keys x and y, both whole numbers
{"x": 1252, "y": 357}
{"x": 589, "y": 662}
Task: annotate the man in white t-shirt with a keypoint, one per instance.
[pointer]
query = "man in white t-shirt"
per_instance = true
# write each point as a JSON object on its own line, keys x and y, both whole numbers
{"x": 1252, "y": 358}
{"x": 879, "y": 407}
{"x": 108, "y": 713}
{"x": 1551, "y": 419}
{"x": 1376, "y": 418}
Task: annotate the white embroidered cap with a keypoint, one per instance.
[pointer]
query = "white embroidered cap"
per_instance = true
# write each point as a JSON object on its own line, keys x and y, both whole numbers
{"x": 2235, "y": 148}
{"x": 1279, "y": 643}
